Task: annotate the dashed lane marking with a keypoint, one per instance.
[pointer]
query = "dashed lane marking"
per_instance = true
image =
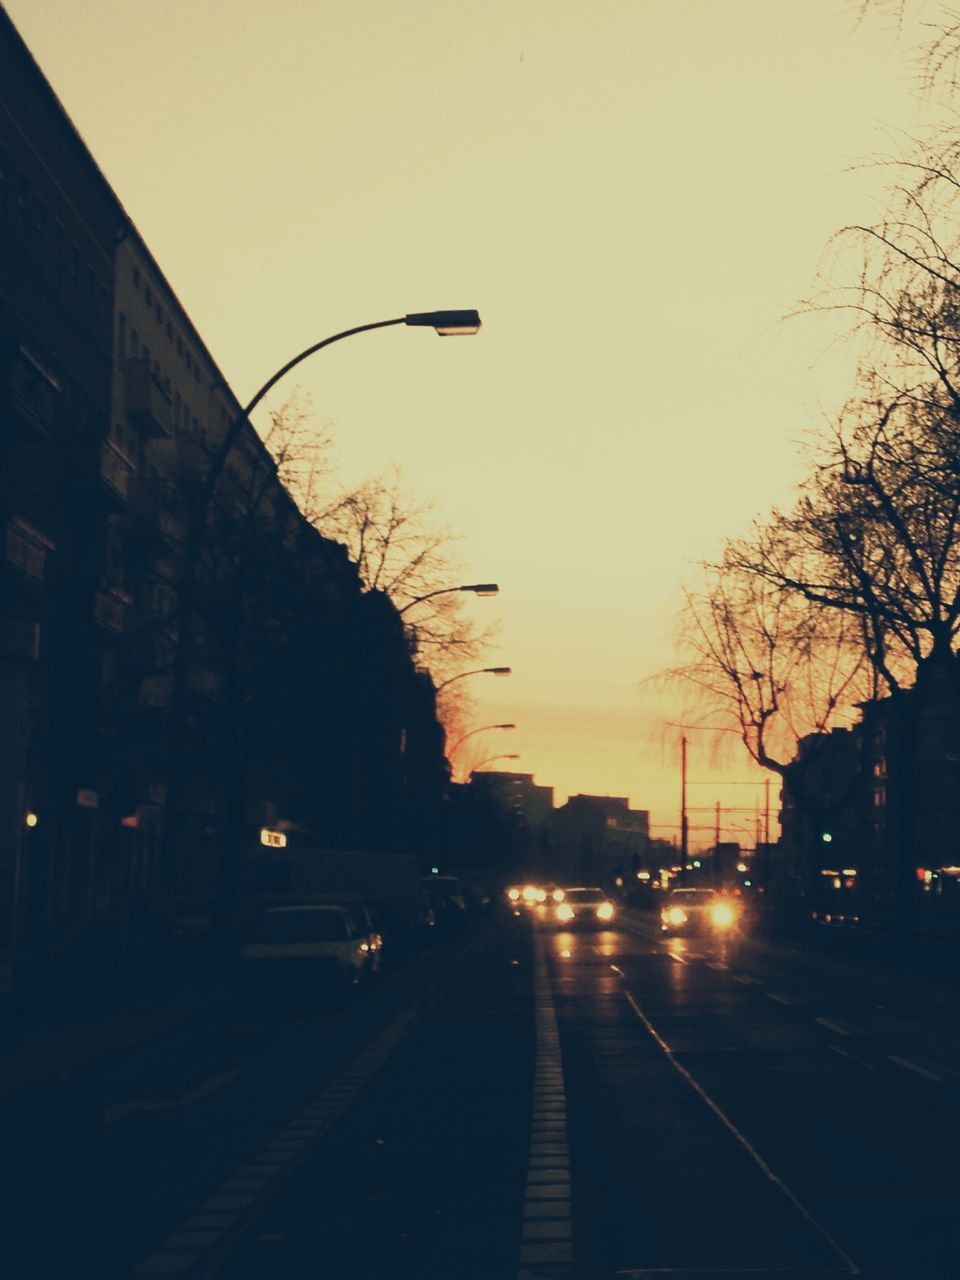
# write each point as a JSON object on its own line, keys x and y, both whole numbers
{"x": 845, "y": 1053}
{"x": 838, "y": 1027}
{"x": 718, "y": 965}
{"x": 782, "y": 997}
{"x": 545, "y": 1248}
{"x": 746, "y": 981}
{"x": 915, "y": 1067}
{"x": 751, "y": 1150}
{"x": 113, "y": 1115}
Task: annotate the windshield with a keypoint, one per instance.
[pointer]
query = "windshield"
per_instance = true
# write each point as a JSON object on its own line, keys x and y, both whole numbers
{"x": 319, "y": 924}
{"x": 694, "y": 897}
{"x": 584, "y": 895}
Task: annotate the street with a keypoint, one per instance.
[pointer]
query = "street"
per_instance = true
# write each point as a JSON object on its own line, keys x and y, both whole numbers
{"x": 529, "y": 1102}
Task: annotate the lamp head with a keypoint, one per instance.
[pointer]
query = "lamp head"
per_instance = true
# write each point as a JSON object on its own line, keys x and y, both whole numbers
{"x": 448, "y": 324}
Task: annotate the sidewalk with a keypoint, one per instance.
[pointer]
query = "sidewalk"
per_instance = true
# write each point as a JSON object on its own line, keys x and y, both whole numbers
{"x": 56, "y": 1048}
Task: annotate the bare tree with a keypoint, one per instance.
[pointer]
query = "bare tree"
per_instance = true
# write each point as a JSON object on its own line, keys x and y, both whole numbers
{"x": 768, "y": 663}
{"x": 394, "y": 538}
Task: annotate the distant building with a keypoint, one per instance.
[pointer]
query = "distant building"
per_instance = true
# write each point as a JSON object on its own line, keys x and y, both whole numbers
{"x": 600, "y": 839}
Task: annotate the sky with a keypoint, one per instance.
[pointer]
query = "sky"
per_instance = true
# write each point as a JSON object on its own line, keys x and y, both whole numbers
{"x": 633, "y": 193}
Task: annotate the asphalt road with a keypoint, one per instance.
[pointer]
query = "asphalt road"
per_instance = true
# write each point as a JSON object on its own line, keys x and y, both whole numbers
{"x": 529, "y": 1103}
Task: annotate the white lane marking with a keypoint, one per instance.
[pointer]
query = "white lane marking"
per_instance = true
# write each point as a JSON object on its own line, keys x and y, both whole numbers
{"x": 116, "y": 1113}
{"x": 675, "y": 955}
{"x": 839, "y": 1028}
{"x": 617, "y": 969}
{"x": 745, "y": 980}
{"x": 782, "y": 997}
{"x": 914, "y": 1066}
{"x": 546, "y": 1230}
{"x": 845, "y": 1053}
{"x": 718, "y": 965}
{"x": 744, "y": 1142}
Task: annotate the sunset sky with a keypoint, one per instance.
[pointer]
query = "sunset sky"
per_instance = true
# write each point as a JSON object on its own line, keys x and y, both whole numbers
{"x": 631, "y": 192}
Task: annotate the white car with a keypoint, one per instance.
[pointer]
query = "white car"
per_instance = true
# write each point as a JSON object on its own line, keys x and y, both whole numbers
{"x": 697, "y": 911}
{"x": 583, "y": 907}
{"x": 310, "y": 950}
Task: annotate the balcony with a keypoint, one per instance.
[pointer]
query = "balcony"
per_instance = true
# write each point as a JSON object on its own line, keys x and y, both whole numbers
{"x": 148, "y": 401}
{"x": 115, "y": 472}
{"x": 26, "y": 549}
{"x": 34, "y": 391}
{"x": 109, "y": 609}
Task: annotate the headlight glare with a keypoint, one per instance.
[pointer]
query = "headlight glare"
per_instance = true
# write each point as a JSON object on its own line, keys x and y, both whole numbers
{"x": 722, "y": 915}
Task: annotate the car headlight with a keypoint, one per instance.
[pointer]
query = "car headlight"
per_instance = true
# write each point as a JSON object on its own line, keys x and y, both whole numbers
{"x": 676, "y": 915}
{"x": 605, "y": 911}
{"x": 564, "y": 912}
{"x": 558, "y": 895}
{"x": 513, "y": 895}
{"x": 723, "y": 916}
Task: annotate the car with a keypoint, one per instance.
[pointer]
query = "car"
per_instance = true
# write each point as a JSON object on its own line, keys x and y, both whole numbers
{"x": 310, "y": 950}
{"x": 364, "y": 924}
{"x": 583, "y": 907}
{"x": 450, "y": 887}
{"x": 697, "y": 911}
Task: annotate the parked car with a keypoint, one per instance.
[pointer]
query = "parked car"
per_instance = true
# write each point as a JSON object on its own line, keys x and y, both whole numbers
{"x": 449, "y": 909}
{"x": 314, "y": 951}
{"x": 362, "y": 916}
{"x": 447, "y": 887}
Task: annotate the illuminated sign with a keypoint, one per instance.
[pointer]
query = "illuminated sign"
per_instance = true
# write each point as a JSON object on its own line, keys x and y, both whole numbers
{"x": 273, "y": 839}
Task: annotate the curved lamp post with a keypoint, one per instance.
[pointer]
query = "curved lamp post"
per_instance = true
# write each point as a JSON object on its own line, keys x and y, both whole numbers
{"x": 490, "y": 760}
{"x": 493, "y": 671}
{"x": 482, "y": 729}
{"x": 444, "y": 323}
{"x": 478, "y": 589}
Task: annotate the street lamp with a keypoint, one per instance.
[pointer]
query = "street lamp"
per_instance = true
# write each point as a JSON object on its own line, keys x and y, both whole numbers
{"x": 478, "y": 589}
{"x": 444, "y": 323}
{"x": 493, "y": 671}
{"x": 482, "y": 729}
{"x": 489, "y": 760}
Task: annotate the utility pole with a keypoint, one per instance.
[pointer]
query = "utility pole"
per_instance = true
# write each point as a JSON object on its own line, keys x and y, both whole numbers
{"x": 684, "y": 844}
